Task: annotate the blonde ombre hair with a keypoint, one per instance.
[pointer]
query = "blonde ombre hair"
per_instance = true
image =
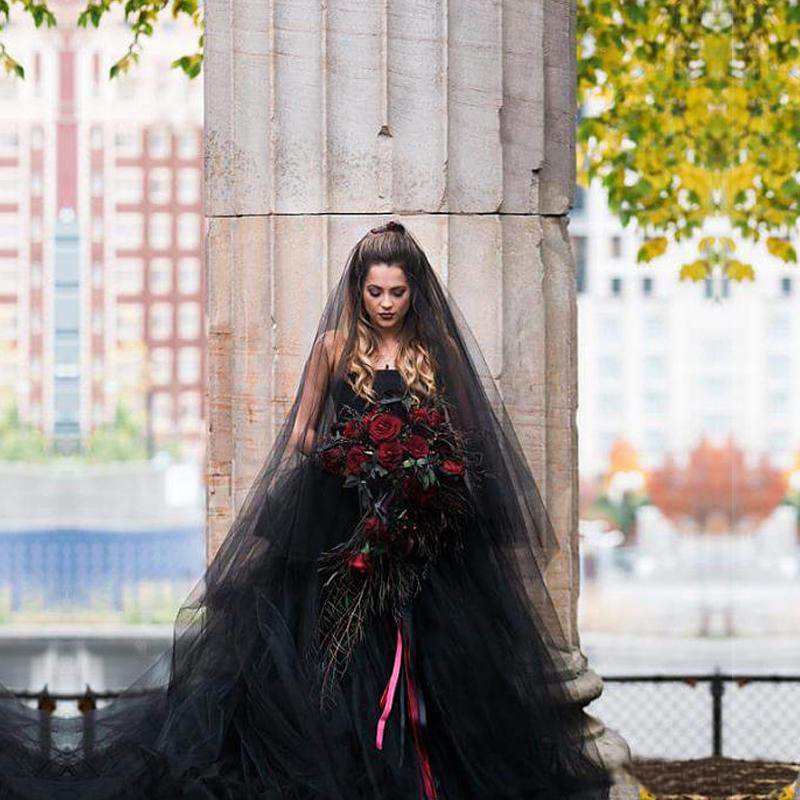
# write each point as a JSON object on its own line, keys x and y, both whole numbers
{"x": 389, "y": 244}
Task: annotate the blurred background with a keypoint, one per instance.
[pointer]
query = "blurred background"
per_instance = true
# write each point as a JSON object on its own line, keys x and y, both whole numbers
{"x": 689, "y": 440}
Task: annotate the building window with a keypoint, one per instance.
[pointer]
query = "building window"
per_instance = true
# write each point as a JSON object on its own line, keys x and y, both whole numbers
{"x": 190, "y": 410}
{"x": 9, "y": 142}
{"x": 779, "y": 329}
{"x": 616, "y": 287}
{"x": 188, "y": 144}
{"x": 160, "y": 233}
{"x": 159, "y": 185}
{"x": 9, "y": 277}
{"x": 778, "y": 401}
{"x": 130, "y": 322}
{"x": 188, "y": 231}
{"x": 162, "y": 412}
{"x": 161, "y": 366}
{"x": 97, "y": 275}
{"x": 37, "y": 138}
{"x": 654, "y": 402}
{"x": 129, "y": 230}
{"x": 647, "y": 287}
{"x": 609, "y": 367}
{"x": 610, "y": 404}
{"x": 96, "y": 137}
{"x": 9, "y": 185}
{"x": 616, "y": 247}
{"x": 8, "y": 322}
{"x": 129, "y": 275}
{"x": 188, "y": 186}
{"x": 654, "y": 327}
{"x": 160, "y": 279}
{"x": 128, "y": 143}
{"x": 128, "y": 185}
{"x": 9, "y": 229}
{"x": 654, "y": 367}
{"x": 189, "y": 275}
{"x": 97, "y": 184}
{"x": 97, "y": 229}
{"x": 161, "y": 321}
{"x": 579, "y": 204}
{"x": 579, "y": 244}
{"x": 609, "y": 327}
{"x": 786, "y": 286}
{"x": 159, "y": 142}
{"x": 189, "y": 365}
{"x": 189, "y": 320}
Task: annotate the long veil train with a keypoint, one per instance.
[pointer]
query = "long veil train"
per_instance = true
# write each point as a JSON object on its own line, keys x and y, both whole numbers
{"x": 232, "y": 711}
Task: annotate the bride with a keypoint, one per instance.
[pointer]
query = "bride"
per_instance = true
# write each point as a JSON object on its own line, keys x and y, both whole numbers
{"x": 367, "y": 628}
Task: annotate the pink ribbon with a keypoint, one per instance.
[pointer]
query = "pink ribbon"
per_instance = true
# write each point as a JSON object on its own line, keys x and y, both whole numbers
{"x": 387, "y": 699}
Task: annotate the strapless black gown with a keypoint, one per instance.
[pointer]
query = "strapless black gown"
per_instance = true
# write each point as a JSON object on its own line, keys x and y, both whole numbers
{"x": 238, "y": 717}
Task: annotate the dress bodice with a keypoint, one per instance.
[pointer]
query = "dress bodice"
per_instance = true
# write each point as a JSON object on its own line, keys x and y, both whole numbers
{"x": 386, "y": 382}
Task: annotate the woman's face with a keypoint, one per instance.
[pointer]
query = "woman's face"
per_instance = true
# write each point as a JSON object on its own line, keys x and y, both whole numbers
{"x": 386, "y": 296}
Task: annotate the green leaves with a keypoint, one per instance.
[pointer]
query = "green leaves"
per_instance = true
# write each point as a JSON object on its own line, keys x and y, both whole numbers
{"x": 691, "y": 118}
{"x": 140, "y": 15}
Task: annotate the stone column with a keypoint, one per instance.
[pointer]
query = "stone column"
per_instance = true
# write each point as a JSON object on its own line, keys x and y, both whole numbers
{"x": 455, "y": 116}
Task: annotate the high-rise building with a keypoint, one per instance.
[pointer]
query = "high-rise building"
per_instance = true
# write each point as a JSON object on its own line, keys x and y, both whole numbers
{"x": 101, "y": 231}
{"x": 663, "y": 362}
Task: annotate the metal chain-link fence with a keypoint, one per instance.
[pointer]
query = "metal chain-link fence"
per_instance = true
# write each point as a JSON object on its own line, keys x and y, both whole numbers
{"x": 695, "y": 716}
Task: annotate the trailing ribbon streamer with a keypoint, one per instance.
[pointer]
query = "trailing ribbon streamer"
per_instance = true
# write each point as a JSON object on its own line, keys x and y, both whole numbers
{"x": 416, "y": 707}
{"x": 387, "y": 698}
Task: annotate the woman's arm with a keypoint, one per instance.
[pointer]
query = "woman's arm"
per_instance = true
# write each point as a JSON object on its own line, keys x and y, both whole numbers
{"x": 314, "y": 392}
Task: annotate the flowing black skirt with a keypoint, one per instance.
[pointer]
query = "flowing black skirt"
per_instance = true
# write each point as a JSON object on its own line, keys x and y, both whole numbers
{"x": 471, "y": 705}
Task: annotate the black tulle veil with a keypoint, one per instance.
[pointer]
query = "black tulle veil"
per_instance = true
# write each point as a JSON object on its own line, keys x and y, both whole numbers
{"x": 231, "y": 711}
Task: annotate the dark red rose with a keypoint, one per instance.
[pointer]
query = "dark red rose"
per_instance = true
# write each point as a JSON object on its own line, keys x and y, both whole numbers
{"x": 418, "y": 415}
{"x": 410, "y": 486}
{"x": 332, "y": 458}
{"x": 353, "y": 429}
{"x": 375, "y": 528}
{"x": 390, "y": 454}
{"x": 435, "y": 417}
{"x": 359, "y": 562}
{"x": 413, "y": 490}
{"x": 384, "y": 427}
{"x": 427, "y": 496}
{"x": 452, "y": 466}
{"x": 417, "y": 446}
{"x": 370, "y": 415}
{"x": 356, "y": 459}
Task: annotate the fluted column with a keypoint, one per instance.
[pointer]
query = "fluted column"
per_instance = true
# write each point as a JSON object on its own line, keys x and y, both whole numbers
{"x": 456, "y": 116}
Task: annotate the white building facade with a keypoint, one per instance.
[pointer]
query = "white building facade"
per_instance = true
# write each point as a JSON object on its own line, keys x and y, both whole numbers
{"x": 664, "y": 362}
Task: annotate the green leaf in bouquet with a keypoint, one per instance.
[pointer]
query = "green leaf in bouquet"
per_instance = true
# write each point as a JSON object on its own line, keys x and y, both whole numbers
{"x": 351, "y": 480}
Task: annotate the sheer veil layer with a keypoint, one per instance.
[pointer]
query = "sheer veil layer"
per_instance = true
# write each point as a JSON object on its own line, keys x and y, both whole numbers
{"x": 233, "y": 711}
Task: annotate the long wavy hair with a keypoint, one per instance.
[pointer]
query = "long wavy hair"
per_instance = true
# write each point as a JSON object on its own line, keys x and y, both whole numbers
{"x": 391, "y": 244}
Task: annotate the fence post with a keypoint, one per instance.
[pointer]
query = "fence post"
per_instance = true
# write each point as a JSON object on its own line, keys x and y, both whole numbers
{"x": 87, "y": 705}
{"x": 717, "y": 690}
{"x": 46, "y": 705}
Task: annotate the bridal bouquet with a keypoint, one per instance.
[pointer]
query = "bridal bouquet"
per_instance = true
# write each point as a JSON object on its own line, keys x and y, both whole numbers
{"x": 411, "y": 472}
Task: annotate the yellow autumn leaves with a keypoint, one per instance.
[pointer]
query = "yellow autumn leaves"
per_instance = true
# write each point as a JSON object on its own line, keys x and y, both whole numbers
{"x": 691, "y": 120}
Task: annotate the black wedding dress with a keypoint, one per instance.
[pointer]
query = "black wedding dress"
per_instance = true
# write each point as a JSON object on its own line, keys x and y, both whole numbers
{"x": 475, "y": 669}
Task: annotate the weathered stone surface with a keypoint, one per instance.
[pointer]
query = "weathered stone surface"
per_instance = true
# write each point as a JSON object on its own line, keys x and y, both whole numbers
{"x": 455, "y": 116}
{"x": 355, "y": 107}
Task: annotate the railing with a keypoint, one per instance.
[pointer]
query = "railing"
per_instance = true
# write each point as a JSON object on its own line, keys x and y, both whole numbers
{"x": 660, "y": 716}
{"x": 739, "y": 716}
